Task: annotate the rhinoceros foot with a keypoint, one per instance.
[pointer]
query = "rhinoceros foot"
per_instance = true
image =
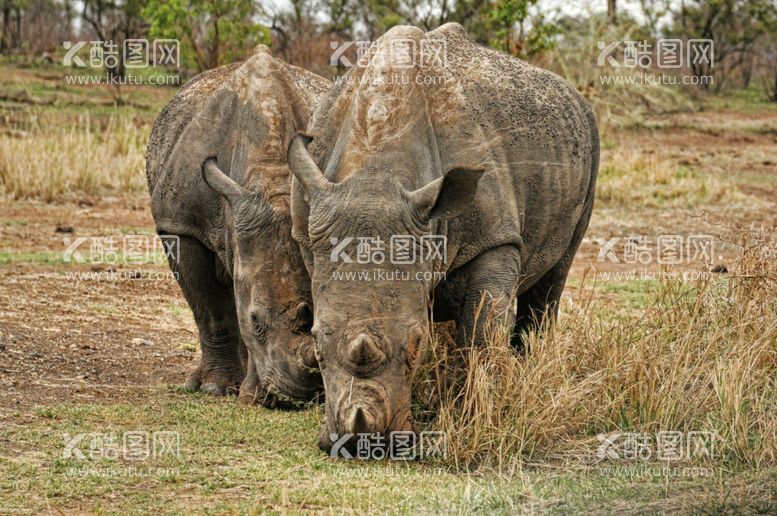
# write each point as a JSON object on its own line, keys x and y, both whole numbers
{"x": 214, "y": 380}
{"x": 252, "y": 392}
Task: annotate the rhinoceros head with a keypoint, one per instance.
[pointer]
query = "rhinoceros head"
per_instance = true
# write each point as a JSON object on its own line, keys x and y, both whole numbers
{"x": 371, "y": 316}
{"x": 271, "y": 293}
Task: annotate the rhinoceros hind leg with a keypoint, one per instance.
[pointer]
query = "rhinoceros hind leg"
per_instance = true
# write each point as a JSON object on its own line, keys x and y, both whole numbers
{"x": 538, "y": 303}
{"x": 541, "y": 300}
{"x": 222, "y": 366}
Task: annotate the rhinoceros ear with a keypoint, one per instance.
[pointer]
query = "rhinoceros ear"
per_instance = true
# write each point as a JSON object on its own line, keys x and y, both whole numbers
{"x": 303, "y": 167}
{"x": 220, "y": 182}
{"x": 447, "y": 196}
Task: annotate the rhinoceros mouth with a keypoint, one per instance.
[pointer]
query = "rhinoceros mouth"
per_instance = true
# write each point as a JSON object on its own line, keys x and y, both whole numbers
{"x": 279, "y": 394}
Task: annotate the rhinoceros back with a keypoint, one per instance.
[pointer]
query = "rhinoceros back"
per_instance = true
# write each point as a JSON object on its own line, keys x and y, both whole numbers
{"x": 242, "y": 114}
{"x": 533, "y": 133}
{"x": 461, "y": 104}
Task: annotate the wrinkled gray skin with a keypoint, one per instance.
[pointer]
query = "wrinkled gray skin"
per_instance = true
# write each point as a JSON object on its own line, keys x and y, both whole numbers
{"x": 240, "y": 271}
{"x": 498, "y": 156}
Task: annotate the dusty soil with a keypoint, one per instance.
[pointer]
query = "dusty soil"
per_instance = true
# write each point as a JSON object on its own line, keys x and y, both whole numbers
{"x": 739, "y": 149}
{"x": 83, "y": 332}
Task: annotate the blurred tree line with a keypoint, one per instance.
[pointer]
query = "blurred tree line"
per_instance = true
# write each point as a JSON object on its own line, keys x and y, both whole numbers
{"x": 307, "y": 32}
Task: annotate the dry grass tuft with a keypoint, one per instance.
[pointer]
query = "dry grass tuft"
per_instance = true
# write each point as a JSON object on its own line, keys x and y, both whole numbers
{"x": 632, "y": 178}
{"x": 48, "y": 157}
{"x": 702, "y": 357}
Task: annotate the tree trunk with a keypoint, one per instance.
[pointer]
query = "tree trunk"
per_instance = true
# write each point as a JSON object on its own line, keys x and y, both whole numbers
{"x": 214, "y": 52}
{"x": 774, "y": 87}
{"x": 4, "y": 34}
{"x": 17, "y": 40}
{"x": 612, "y": 11}
{"x": 747, "y": 74}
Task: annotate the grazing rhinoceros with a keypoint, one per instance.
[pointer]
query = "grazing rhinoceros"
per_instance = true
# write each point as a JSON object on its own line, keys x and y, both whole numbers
{"x": 433, "y": 137}
{"x": 240, "y": 271}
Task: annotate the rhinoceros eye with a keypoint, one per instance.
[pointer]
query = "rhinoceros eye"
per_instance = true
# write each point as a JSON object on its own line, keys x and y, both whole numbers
{"x": 303, "y": 318}
{"x": 304, "y": 327}
{"x": 259, "y": 326}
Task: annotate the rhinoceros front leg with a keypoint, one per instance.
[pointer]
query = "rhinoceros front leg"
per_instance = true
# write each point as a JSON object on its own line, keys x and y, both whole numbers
{"x": 251, "y": 391}
{"x": 211, "y": 298}
{"x": 490, "y": 282}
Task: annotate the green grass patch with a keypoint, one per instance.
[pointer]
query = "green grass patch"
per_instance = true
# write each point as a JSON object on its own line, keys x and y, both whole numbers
{"x": 634, "y": 294}
{"x": 13, "y": 223}
{"x": 752, "y": 99}
{"x": 249, "y": 459}
{"x": 57, "y": 258}
{"x": 41, "y": 257}
{"x": 178, "y": 310}
{"x": 47, "y": 84}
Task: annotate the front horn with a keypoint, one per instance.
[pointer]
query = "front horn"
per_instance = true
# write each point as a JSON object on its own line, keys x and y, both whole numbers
{"x": 303, "y": 167}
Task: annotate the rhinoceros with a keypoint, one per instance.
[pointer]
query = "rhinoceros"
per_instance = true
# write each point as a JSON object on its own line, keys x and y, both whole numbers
{"x": 219, "y": 182}
{"x": 432, "y": 138}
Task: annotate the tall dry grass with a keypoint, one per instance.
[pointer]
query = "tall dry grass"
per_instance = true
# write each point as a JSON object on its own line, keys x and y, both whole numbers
{"x": 49, "y": 155}
{"x": 701, "y": 357}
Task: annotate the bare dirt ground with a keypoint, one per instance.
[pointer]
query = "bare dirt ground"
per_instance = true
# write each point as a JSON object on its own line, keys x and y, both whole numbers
{"x": 82, "y": 331}
{"x": 85, "y": 332}
{"x": 735, "y": 151}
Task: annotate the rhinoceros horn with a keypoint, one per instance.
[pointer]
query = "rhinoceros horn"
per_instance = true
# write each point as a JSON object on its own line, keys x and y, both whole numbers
{"x": 220, "y": 182}
{"x": 303, "y": 167}
{"x": 363, "y": 351}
